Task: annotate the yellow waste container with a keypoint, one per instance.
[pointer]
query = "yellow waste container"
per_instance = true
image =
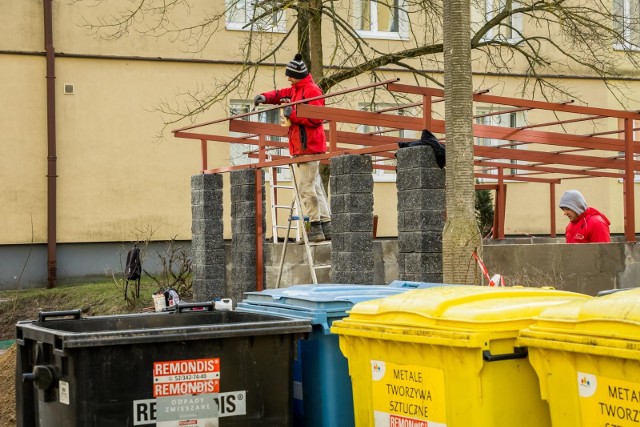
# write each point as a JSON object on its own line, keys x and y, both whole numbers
{"x": 587, "y": 357}
{"x": 445, "y": 357}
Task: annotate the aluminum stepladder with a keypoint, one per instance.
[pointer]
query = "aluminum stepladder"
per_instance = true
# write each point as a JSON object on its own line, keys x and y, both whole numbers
{"x": 297, "y": 214}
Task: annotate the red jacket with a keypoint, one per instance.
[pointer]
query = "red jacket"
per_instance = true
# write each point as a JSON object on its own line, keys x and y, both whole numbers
{"x": 590, "y": 227}
{"x": 306, "y": 136}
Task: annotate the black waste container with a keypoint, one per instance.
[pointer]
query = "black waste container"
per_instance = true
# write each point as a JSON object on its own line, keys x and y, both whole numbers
{"x": 191, "y": 368}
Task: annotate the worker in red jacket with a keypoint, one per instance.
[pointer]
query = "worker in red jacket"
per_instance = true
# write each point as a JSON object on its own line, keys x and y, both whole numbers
{"x": 586, "y": 225}
{"x": 306, "y": 136}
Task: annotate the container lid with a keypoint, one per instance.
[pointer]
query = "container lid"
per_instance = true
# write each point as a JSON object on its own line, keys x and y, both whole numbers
{"x": 454, "y": 312}
{"x": 612, "y": 320}
{"x": 319, "y": 303}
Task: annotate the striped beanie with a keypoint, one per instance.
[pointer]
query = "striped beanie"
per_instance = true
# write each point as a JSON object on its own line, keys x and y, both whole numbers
{"x": 297, "y": 68}
{"x": 573, "y": 200}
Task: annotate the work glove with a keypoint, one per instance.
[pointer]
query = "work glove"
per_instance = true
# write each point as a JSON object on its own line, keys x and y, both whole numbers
{"x": 287, "y": 111}
{"x": 259, "y": 99}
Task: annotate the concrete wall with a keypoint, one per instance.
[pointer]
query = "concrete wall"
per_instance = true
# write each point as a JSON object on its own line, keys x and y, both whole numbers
{"x": 579, "y": 268}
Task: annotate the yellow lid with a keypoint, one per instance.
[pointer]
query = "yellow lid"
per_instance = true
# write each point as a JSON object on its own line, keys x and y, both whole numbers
{"x": 616, "y": 315}
{"x": 453, "y": 312}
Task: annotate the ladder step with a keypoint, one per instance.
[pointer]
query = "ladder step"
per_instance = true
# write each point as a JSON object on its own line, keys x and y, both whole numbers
{"x": 285, "y": 187}
{"x": 322, "y": 266}
{"x": 282, "y": 207}
{"x": 324, "y": 242}
{"x": 281, "y": 226}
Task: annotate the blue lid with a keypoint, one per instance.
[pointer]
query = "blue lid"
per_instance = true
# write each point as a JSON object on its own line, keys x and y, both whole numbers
{"x": 320, "y": 303}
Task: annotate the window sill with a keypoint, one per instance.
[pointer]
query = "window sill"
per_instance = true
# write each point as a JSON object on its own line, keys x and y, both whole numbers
{"x": 381, "y": 35}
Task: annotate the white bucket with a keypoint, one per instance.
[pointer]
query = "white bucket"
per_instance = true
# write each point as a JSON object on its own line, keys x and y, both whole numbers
{"x": 224, "y": 304}
{"x": 159, "y": 302}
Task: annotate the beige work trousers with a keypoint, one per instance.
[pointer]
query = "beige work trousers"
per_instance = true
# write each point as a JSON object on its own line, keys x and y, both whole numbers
{"x": 312, "y": 192}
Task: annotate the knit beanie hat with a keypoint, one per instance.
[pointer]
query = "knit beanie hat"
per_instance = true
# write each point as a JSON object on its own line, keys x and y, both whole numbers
{"x": 297, "y": 68}
{"x": 573, "y": 200}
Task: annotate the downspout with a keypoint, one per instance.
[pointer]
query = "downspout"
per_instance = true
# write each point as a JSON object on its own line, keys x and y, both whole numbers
{"x": 51, "y": 144}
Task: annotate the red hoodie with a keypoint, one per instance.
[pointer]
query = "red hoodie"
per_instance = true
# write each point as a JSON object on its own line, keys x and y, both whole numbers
{"x": 591, "y": 226}
{"x": 306, "y": 136}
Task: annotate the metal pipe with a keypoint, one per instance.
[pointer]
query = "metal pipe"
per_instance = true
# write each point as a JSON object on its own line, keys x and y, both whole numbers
{"x": 51, "y": 144}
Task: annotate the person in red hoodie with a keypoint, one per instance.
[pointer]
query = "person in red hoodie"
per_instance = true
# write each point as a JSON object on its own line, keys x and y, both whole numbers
{"x": 306, "y": 136}
{"x": 586, "y": 225}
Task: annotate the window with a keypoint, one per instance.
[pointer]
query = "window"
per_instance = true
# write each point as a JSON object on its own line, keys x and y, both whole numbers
{"x": 239, "y": 152}
{"x": 627, "y": 23}
{"x": 240, "y": 13}
{"x": 509, "y": 28}
{"x": 389, "y": 173}
{"x": 385, "y": 19}
{"x": 487, "y": 117}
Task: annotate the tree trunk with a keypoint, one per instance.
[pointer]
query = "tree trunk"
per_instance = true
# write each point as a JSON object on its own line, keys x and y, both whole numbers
{"x": 461, "y": 235}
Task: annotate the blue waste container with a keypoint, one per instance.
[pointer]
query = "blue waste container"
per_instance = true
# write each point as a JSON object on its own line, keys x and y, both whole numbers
{"x": 322, "y": 386}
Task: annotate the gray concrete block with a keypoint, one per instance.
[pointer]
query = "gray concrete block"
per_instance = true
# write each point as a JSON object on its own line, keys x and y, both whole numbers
{"x": 243, "y": 275}
{"x": 351, "y": 261}
{"x": 423, "y": 277}
{"x": 420, "y": 241}
{"x": 210, "y": 257}
{"x": 206, "y": 197}
{"x": 352, "y": 242}
{"x": 352, "y": 277}
{"x": 244, "y": 242}
{"x": 421, "y": 199}
{"x": 416, "y": 157}
{"x": 244, "y": 176}
{"x": 352, "y": 184}
{"x": 243, "y": 193}
{"x": 246, "y": 209}
{"x": 207, "y": 226}
{"x": 206, "y": 181}
{"x": 591, "y": 284}
{"x": 207, "y": 290}
{"x": 408, "y": 179}
{"x": 348, "y": 203}
{"x": 206, "y": 242}
{"x": 207, "y": 272}
{"x": 425, "y": 220}
{"x": 245, "y": 258}
{"x": 243, "y": 225}
{"x": 351, "y": 164}
{"x": 349, "y": 222}
{"x": 206, "y": 211}
{"x": 415, "y": 263}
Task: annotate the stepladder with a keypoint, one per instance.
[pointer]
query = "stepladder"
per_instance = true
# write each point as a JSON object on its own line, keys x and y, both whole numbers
{"x": 298, "y": 220}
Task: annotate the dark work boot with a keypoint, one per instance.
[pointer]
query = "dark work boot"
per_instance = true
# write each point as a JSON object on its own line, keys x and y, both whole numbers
{"x": 315, "y": 233}
{"x": 326, "y": 230}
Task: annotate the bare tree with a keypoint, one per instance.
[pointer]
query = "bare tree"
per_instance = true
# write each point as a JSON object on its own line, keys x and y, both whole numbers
{"x": 543, "y": 38}
{"x": 537, "y": 39}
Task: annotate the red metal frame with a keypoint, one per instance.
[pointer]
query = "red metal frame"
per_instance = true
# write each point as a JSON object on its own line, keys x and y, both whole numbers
{"x": 536, "y": 158}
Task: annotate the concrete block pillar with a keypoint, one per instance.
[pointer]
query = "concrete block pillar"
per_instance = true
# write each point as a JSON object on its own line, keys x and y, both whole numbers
{"x": 351, "y": 187}
{"x": 421, "y": 214}
{"x": 207, "y": 243}
{"x": 243, "y": 232}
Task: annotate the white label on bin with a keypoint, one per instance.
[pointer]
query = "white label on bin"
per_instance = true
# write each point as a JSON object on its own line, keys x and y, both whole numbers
{"x": 64, "y": 392}
{"x": 229, "y": 404}
{"x": 608, "y": 402}
{"x": 407, "y": 395}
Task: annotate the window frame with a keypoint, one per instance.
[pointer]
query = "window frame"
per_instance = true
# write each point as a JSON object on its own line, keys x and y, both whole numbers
{"x": 515, "y": 119}
{"x": 279, "y": 27}
{"x": 403, "y": 21}
{"x": 488, "y": 14}
{"x": 625, "y": 25}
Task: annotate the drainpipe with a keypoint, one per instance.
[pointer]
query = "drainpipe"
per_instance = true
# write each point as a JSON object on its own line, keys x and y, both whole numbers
{"x": 51, "y": 144}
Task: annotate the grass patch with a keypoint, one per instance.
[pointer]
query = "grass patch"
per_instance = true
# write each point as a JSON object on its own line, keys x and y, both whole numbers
{"x": 94, "y": 299}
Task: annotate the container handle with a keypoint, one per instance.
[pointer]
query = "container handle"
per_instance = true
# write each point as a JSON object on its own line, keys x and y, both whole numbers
{"x": 195, "y": 306}
{"x": 518, "y": 353}
{"x": 45, "y": 314}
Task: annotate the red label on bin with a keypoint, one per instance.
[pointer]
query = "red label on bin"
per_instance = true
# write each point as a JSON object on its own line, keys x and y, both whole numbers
{"x": 179, "y": 377}
{"x": 396, "y": 421}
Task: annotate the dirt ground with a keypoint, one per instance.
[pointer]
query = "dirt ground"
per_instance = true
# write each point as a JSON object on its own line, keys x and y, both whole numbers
{"x": 8, "y": 388}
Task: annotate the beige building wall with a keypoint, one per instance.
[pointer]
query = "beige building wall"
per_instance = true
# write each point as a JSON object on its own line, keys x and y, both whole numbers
{"x": 117, "y": 182}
